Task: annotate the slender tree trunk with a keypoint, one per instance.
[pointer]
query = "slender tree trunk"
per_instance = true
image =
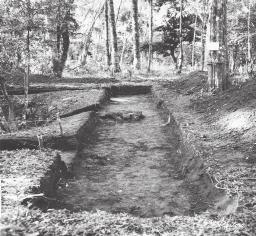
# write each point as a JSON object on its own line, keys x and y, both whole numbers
{"x": 108, "y": 55}
{"x": 217, "y": 46}
{"x": 123, "y": 50}
{"x": 27, "y": 74}
{"x": 118, "y": 11}
{"x": 115, "y": 57}
{"x": 235, "y": 51}
{"x": 203, "y": 34}
{"x": 180, "y": 59}
{"x": 57, "y": 47}
{"x": 87, "y": 42}
{"x": 193, "y": 45}
{"x": 136, "y": 36}
{"x": 150, "y": 47}
{"x": 249, "y": 50}
{"x": 203, "y": 49}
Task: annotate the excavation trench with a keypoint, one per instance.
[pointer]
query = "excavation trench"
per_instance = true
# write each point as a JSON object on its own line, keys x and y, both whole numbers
{"x": 128, "y": 166}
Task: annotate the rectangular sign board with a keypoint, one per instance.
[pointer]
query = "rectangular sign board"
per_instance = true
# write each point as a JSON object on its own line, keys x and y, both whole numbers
{"x": 213, "y": 46}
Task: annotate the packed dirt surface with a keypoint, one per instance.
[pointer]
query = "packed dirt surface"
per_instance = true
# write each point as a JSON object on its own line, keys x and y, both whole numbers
{"x": 129, "y": 165}
{"x": 217, "y": 130}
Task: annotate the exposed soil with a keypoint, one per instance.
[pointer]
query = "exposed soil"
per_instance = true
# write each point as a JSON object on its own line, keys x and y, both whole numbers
{"x": 43, "y": 108}
{"x": 130, "y": 164}
{"x": 22, "y": 175}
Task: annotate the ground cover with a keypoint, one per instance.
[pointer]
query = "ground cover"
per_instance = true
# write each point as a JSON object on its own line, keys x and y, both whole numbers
{"x": 219, "y": 128}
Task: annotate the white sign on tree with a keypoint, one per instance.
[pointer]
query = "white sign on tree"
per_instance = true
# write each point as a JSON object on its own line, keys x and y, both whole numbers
{"x": 214, "y": 46}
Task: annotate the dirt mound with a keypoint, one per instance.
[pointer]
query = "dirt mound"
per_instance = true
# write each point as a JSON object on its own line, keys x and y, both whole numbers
{"x": 191, "y": 83}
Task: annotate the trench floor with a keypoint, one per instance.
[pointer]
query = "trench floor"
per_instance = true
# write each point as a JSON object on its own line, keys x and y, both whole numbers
{"x": 129, "y": 166}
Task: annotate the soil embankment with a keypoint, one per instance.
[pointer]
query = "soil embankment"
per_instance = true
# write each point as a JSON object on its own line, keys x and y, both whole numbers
{"x": 218, "y": 133}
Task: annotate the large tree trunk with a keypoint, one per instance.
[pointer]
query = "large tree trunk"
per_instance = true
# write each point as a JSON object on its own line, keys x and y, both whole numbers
{"x": 136, "y": 36}
{"x": 11, "y": 116}
{"x": 180, "y": 59}
{"x": 115, "y": 57}
{"x": 174, "y": 58}
{"x": 60, "y": 49}
{"x": 60, "y": 57}
{"x": 150, "y": 34}
{"x": 108, "y": 55}
{"x": 217, "y": 45}
{"x": 65, "y": 46}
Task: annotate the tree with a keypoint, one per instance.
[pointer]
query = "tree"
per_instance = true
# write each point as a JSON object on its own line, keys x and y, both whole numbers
{"x": 136, "y": 36}
{"x": 150, "y": 47}
{"x": 170, "y": 29}
{"x": 217, "y": 45}
{"x": 204, "y": 17}
{"x": 22, "y": 22}
{"x": 108, "y": 55}
{"x": 115, "y": 57}
{"x": 180, "y": 60}
{"x": 193, "y": 45}
{"x": 28, "y": 56}
{"x": 87, "y": 43}
{"x": 249, "y": 47}
{"x": 61, "y": 24}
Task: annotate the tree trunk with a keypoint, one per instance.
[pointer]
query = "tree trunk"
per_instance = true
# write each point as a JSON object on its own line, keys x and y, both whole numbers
{"x": 56, "y": 48}
{"x": 65, "y": 46}
{"x": 136, "y": 36}
{"x": 203, "y": 34}
{"x": 26, "y": 75}
{"x": 118, "y": 11}
{"x": 123, "y": 50}
{"x": 174, "y": 58}
{"x": 217, "y": 46}
{"x": 115, "y": 57}
{"x": 150, "y": 34}
{"x": 193, "y": 45}
{"x": 108, "y": 55}
{"x": 11, "y": 116}
{"x": 249, "y": 53}
{"x": 87, "y": 42}
{"x": 180, "y": 59}
{"x": 203, "y": 49}
{"x": 62, "y": 45}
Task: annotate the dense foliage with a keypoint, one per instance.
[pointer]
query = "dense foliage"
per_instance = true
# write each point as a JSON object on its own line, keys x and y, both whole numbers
{"x": 58, "y": 31}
